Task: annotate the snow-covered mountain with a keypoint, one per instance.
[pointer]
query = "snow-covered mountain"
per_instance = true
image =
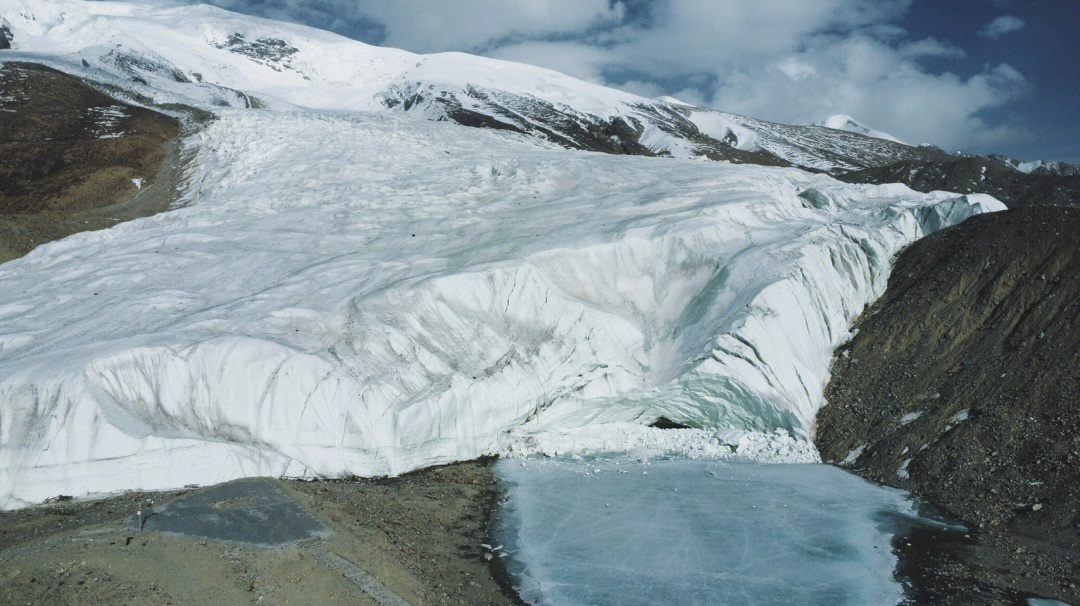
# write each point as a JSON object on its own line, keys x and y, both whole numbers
{"x": 1040, "y": 167}
{"x": 349, "y": 289}
{"x": 848, "y": 124}
{"x": 210, "y": 55}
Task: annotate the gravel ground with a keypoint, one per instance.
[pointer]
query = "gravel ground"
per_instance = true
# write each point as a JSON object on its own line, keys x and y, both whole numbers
{"x": 420, "y": 535}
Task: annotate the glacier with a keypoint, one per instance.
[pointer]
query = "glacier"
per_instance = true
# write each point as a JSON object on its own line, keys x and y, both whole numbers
{"x": 365, "y": 294}
{"x": 350, "y": 290}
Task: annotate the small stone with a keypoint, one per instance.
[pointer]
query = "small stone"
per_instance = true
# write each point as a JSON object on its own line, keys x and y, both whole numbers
{"x": 1036, "y": 507}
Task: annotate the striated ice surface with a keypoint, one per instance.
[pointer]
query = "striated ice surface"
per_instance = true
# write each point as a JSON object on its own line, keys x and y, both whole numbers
{"x": 351, "y": 293}
{"x": 630, "y": 531}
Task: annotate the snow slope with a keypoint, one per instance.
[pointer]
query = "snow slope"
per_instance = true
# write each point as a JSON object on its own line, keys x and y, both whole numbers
{"x": 848, "y": 124}
{"x": 213, "y": 56}
{"x": 359, "y": 292}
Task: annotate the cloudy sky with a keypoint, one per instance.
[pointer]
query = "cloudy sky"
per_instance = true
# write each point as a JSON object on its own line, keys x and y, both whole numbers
{"x": 979, "y": 75}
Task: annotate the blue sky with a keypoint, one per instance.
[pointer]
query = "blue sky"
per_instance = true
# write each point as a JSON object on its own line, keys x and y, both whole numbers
{"x": 1046, "y": 50}
{"x": 979, "y": 75}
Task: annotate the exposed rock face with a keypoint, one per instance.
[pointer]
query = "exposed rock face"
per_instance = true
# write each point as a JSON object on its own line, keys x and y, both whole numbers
{"x": 274, "y": 53}
{"x": 962, "y": 385}
{"x": 980, "y": 174}
{"x": 485, "y": 108}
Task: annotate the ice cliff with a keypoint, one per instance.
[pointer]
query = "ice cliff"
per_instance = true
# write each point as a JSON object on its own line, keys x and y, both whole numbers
{"x": 361, "y": 294}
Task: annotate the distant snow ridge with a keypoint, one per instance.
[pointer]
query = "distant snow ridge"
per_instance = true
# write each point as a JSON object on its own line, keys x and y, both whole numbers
{"x": 1043, "y": 167}
{"x": 206, "y": 56}
{"x": 848, "y": 124}
{"x": 360, "y": 292}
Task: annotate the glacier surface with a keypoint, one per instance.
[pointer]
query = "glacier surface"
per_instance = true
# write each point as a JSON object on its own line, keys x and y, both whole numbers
{"x": 351, "y": 293}
{"x": 348, "y": 290}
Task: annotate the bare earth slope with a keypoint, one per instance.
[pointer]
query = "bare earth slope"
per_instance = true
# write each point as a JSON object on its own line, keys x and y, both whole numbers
{"x": 971, "y": 174}
{"x": 963, "y": 386}
{"x": 72, "y": 158}
{"x": 422, "y": 535}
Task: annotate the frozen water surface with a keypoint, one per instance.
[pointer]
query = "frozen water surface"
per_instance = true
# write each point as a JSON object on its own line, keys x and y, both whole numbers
{"x": 688, "y": 531}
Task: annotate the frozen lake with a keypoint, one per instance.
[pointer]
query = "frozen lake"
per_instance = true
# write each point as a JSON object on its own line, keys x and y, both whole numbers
{"x": 680, "y": 531}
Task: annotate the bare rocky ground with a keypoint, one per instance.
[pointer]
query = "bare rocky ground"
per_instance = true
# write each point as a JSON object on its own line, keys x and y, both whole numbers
{"x": 419, "y": 534}
{"x": 962, "y": 385}
{"x": 975, "y": 174}
{"x": 75, "y": 159}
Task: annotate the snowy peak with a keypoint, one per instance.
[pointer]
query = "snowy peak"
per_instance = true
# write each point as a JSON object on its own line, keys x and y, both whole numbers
{"x": 846, "y": 123}
{"x": 202, "y": 55}
{"x": 673, "y": 100}
{"x": 1043, "y": 167}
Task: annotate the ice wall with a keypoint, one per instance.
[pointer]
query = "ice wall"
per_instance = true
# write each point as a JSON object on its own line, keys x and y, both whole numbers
{"x": 362, "y": 294}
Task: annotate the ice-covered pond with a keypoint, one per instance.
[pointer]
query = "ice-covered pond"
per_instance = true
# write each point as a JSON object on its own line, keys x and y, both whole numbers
{"x": 680, "y": 531}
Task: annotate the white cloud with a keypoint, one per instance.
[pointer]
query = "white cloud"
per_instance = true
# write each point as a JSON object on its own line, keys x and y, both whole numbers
{"x": 871, "y": 80}
{"x": 1004, "y": 24}
{"x": 434, "y": 25}
{"x": 795, "y": 69}
{"x": 796, "y": 63}
{"x": 576, "y": 59}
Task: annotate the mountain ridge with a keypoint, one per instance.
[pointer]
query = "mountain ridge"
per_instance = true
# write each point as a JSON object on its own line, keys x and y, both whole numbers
{"x": 205, "y": 53}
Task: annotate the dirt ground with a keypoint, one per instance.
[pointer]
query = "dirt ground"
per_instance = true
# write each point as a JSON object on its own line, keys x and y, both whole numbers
{"x": 419, "y": 534}
{"x": 422, "y": 533}
{"x": 70, "y": 156}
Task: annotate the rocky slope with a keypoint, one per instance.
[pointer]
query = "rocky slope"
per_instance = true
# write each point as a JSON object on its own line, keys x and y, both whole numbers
{"x": 962, "y": 385}
{"x": 982, "y": 174}
{"x": 73, "y": 158}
